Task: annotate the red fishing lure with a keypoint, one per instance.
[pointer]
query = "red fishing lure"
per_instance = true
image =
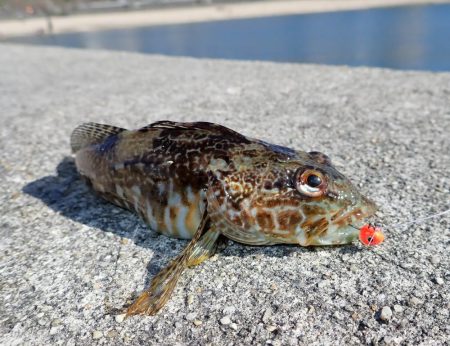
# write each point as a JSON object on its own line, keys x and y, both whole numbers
{"x": 371, "y": 235}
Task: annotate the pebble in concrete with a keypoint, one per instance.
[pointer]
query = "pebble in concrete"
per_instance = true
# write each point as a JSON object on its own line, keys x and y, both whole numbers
{"x": 386, "y": 313}
{"x": 97, "y": 334}
{"x": 225, "y": 320}
{"x": 229, "y": 310}
{"x": 435, "y": 260}
{"x": 197, "y": 323}
{"x": 440, "y": 281}
{"x": 191, "y": 316}
{"x": 398, "y": 308}
{"x": 119, "y": 318}
{"x": 414, "y": 301}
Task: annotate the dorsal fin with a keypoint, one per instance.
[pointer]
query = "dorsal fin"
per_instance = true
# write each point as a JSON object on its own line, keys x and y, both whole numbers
{"x": 91, "y": 133}
{"x": 210, "y": 128}
{"x": 166, "y": 124}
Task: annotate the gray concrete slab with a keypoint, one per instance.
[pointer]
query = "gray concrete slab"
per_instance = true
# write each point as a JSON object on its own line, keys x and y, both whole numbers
{"x": 68, "y": 259}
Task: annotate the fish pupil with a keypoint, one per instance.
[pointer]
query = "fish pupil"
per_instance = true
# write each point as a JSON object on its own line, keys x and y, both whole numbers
{"x": 314, "y": 180}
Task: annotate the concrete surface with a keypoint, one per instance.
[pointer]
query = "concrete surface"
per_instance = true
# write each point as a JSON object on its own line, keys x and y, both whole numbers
{"x": 68, "y": 260}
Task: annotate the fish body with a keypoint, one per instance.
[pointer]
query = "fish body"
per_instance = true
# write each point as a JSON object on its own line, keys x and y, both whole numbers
{"x": 177, "y": 175}
{"x": 167, "y": 172}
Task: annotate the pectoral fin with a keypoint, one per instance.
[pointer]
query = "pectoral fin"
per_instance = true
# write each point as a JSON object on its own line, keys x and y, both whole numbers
{"x": 205, "y": 247}
{"x": 199, "y": 249}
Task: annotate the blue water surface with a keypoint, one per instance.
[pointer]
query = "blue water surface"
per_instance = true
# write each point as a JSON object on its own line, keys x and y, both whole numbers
{"x": 411, "y": 37}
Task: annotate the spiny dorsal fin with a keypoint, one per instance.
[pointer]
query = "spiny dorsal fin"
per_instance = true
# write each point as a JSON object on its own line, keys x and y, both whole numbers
{"x": 91, "y": 133}
{"x": 206, "y": 127}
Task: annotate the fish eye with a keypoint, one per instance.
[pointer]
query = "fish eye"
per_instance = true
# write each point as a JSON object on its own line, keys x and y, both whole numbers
{"x": 311, "y": 183}
{"x": 314, "y": 180}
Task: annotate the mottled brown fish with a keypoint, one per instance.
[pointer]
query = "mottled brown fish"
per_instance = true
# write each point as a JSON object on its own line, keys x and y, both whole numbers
{"x": 201, "y": 180}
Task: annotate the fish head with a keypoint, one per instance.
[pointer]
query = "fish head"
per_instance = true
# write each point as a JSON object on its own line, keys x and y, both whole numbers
{"x": 333, "y": 209}
{"x": 301, "y": 199}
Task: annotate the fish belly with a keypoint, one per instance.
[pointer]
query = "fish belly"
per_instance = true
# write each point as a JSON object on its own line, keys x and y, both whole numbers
{"x": 177, "y": 215}
{"x": 166, "y": 207}
{"x": 174, "y": 212}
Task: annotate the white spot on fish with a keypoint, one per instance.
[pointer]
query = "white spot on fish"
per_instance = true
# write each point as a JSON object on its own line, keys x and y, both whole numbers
{"x": 119, "y": 166}
{"x": 217, "y": 164}
{"x": 168, "y": 221}
{"x": 136, "y": 190}
{"x": 190, "y": 195}
{"x": 119, "y": 191}
{"x": 136, "y": 203}
{"x": 301, "y": 236}
{"x": 150, "y": 217}
{"x": 174, "y": 199}
{"x": 181, "y": 223}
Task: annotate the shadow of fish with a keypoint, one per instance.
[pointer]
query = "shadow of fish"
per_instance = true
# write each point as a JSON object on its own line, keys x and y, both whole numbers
{"x": 201, "y": 180}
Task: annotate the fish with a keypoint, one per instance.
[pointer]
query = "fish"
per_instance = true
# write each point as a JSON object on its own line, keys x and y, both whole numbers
{"x": 203, "y": 181}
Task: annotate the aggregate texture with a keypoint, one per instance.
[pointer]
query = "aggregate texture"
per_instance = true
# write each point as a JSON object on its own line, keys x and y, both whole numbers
{"x": 69, "y": 260}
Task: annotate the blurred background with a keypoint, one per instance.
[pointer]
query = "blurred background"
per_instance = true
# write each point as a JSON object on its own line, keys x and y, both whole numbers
{"x": 399, "y": 34}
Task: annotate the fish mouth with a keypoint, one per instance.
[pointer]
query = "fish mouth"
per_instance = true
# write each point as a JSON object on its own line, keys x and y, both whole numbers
{"x": 355, "y": 217}
{"x": 344, "y": 226}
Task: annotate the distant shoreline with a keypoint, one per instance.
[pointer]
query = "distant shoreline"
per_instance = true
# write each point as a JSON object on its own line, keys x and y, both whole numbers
{"x": 191, "y": 14}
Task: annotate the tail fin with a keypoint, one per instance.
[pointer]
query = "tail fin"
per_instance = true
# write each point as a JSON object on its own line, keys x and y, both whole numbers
{"x": 91, "y": 133}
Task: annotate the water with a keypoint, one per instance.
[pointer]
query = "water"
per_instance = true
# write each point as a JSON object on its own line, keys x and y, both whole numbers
{"x": 412, "y": 37}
